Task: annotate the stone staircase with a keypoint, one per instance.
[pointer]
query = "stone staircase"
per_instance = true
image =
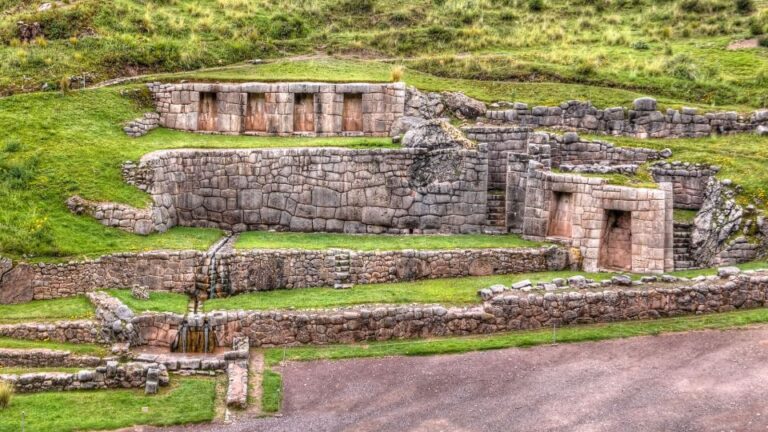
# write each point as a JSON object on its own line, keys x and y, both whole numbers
{"x": 341, "y": 270}
{"x": 682, "y": 246}
{"x": 497, "y": 211}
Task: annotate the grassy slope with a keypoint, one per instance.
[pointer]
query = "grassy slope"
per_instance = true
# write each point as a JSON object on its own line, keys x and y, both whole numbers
{"x": 55, "y": 146}
{"x": 188, "y": 400}
{"x": 85, "y": 349}
{"x": 157, "y": 302}
{"x": 654, "y": 46}
{"x": 69, "y": 308}
{"x": 456, "y": 291}
{"x": 283, "y": 240}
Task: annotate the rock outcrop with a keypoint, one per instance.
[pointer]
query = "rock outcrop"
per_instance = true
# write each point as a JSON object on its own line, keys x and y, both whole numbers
{"x": 436, "y": 135}
{"x": 719, "y": 218}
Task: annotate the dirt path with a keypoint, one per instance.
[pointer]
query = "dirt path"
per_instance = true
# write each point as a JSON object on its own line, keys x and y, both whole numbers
{"x": 684, "y": 382}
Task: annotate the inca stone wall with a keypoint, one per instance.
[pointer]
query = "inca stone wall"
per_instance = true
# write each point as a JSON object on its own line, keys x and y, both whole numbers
{"x": 82, "y": 331}
{"x": 110, "y": 376}
{"x": 689, "y": 180}
{"x": 324, "y": 189}
{"x": 38, "y": 358}
{"x": 593, "y": 201}
{"x": 502, "y": 313}
{"x": 643, "y": 121}
{"x": 271, "y": 109}
{"x": 254, "y": 270}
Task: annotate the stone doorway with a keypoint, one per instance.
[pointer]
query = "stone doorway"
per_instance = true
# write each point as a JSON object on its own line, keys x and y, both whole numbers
{"x": 616, "y": 242}
{"x": 256, "y": 113}
{"x": 352, "y": 115}
{"x": 304, "y": 112}
{"x": 560, "y": 215}
{"x": 206, "y": 115}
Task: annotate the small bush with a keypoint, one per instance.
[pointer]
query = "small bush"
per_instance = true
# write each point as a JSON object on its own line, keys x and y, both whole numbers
{"x": 396, "y": 73}
{"x": 12, "y": 146}
{"x": 744, "y": 6}
{"x": 763, "y": 41}
{"x": 535, "y": 5}
{"x": 65, "y": 85}
{"x": 640, "y": 45}
{"x": 287, "y": 27}
{"x": 6, "y": 393}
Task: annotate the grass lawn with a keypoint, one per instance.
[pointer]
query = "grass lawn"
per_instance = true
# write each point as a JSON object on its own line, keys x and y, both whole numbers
{"x": 68, "y": 308}
{"x": 157, "y": 302}
{"x": 453, "y": 291}
{"x": 22, "y": 371}
{"x": 83, "y": 349}
{"x": 578, "y": 333}
{"x": 272, "y": 391}
{"x": 187, "y": 400}
{"x": 368, "y": 242}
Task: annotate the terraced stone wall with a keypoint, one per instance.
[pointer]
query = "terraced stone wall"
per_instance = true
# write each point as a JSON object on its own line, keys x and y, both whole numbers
{"x": 689, "y": 180}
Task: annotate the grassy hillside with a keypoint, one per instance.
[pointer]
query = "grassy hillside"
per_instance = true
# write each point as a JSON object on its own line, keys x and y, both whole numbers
{"x": 672, "y": 48}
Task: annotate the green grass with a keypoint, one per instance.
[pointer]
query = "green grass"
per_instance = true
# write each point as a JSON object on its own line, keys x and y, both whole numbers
{"x": 671, "y": 48}
{"x": 272, "y": 391}
{"x": 157, "y": 302}
{"x": 188, "y": 400}
{"x": 684, "y": 216}
{"x": 38, "y": 173}
{"x": 284, "y": 240}
{"x": 454, "y": 291}
{"x": 79, "y": 348}
{"x": 520, "y": 339}
{"x": 69, "y": 308}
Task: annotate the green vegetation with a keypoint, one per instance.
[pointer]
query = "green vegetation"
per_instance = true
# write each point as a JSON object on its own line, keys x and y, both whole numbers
{"x": 521, "y": 339}
{"x": 668, "y": 48}
{"x": 75, "y": 348}
{"x": 187, "y": 400}
{"x": 366, "y": 242}
{"x": 272, "y": 391}
{"x": 684, "y": 216}
{"x": 6, "y": 393}
{"x": 742, "y": 158}
{"x": 454, "y": 291}
{"x": 157, "y": 302}
{"x": 55, "y": 146}
{"x": 22, "y": 371}
{"x": 69, "y": 308}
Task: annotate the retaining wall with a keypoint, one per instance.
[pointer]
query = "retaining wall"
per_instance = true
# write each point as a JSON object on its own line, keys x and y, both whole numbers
{"x": 110, "y": 376}
{"x": 37, "y": 358}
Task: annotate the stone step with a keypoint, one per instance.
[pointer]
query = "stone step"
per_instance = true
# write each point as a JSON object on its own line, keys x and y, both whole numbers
{"x": 343, "y": 285}
{"x": 237, "y": 391}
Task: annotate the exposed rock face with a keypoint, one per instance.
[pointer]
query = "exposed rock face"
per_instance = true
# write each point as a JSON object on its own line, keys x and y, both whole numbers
{"x": 436, "y": 135}
{"x": 718, "y": 219}
{"x": 15, "y": 283}
{"x": 423, "y": 105}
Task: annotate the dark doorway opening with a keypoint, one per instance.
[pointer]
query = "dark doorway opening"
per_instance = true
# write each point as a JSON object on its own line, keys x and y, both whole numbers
{"x": 304, "y": 112}
{"x": 616, "y": 242}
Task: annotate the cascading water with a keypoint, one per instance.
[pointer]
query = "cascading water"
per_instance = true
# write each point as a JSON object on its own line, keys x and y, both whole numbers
{"x": 195, "y": 336}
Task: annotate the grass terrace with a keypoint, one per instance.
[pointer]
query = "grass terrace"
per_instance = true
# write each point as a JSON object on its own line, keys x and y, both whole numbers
{"x": 84, "y": 349}
{"x": 157, "y": 302}
{"x": 186, "y": 400}
{"x": 370, "y": 242}
{"x": 22, "y": 371}
{"x": 63, "y": 309}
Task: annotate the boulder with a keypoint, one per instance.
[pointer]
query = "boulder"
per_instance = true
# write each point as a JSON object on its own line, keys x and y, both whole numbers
{"x": 762, "y": 130}
{"x": 645, "y": 104}
{"x": 720, "y": 217}
{"x": 436, "y": 135}
{"x": 463, "y": 106}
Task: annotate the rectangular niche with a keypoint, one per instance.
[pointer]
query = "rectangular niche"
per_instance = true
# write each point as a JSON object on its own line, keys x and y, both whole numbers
{"x": 256, "y": 113}
{"x": 206, "y": 113}
{"x": 616, "y": 241}
{"x": 352, "y": 116}
{"x": 304, "y": 112}
{"x": 560, "y": 215}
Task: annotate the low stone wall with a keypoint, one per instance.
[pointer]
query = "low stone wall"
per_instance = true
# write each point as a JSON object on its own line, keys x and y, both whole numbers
{"x": 82, "y": 331}
{"x": 502, "y": 313}
{"x": 142, "y": 125}
{"x": 689, "y": 181}
{"x": 255, "y": 270}
{"x": 643, "y": 121}
{"x": 36, "y": 358}
{"x": 110, "y": 376}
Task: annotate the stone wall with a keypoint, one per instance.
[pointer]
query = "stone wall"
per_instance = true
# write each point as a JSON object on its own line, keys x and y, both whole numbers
{"x": 592, "y": 203}
{"x": 270, "y": 109}
{"x": 254, "y": 270}
{"x": 502, "y": 313}
{"x": 643, "y": 121}
{"x": 689, "y": 180}
{"x": 82, "y": 331}
{"x": 38, "y": 358}
{"x": 318, "y": 189}
{"x": 111, "y": 376}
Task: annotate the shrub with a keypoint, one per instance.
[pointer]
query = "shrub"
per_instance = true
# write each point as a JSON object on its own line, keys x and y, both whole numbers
{"x": 640, "y": 45}
{"x": 763, "y": 41}
{"x": 287, "y": 27}
{"x": 12, "y": 146}
{"x": 744, "y": 6}
{"x": 6, "y": 393}
{"x": 65, "y": 85}
{"x": 682, "y": 67}
{"x": 535, "y": 5}
{"x": 396, "y": 73}
{"x": 357, "y": 7}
